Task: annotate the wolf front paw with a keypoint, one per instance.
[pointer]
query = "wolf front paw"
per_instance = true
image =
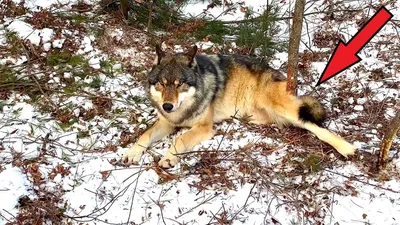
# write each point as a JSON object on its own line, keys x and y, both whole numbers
{"x": 346, "y": 149}
{"x": 133, "y": 155}
{"x": 168, "y": 161}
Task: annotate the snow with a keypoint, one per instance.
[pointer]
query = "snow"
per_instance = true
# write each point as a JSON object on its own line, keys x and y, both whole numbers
{"x": 37, "y": 5}
{"x": 58, "y": 43}
{"x": 94, "y": 63}
{"x": 13, "y": 185}
{"x": 341, "y": 193}
{"x": 26, "y": 31}
{"x": 204, "y": 45}
{"x": 86, "y": 45}
{"x": 390, "y": 113}
{"x": 359, "y": 108}
{"x": 47, "y": 46}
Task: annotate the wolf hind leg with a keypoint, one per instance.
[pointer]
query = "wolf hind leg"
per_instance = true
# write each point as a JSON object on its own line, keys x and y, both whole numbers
{"x": 306, "y": 113}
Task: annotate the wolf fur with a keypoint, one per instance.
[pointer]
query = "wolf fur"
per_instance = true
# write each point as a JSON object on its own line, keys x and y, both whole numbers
{"x": 194, "y": 90}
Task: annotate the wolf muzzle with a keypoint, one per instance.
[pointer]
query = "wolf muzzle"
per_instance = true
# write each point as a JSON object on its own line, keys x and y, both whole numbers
{"x": 167, "y": 107}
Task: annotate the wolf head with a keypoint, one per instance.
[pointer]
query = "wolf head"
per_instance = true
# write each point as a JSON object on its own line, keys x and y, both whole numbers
{"x": 172, "y": 79}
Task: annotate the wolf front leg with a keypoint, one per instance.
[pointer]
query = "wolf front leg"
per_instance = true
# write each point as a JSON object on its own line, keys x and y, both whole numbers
{"x": 186, "y": 142}
{"x": 158, "y": 131}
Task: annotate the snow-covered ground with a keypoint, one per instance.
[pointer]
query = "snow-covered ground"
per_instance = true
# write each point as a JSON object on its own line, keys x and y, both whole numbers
{"x": 250, "y": 174}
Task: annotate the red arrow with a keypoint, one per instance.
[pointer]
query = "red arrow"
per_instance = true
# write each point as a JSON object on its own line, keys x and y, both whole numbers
{"x": 345, "y": 55}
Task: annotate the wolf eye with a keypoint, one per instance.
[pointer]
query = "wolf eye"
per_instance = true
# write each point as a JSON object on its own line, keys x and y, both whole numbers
{"x": 180, "y": 83}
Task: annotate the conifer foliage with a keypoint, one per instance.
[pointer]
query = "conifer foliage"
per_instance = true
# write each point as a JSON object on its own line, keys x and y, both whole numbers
{"x": 253, "y": 35}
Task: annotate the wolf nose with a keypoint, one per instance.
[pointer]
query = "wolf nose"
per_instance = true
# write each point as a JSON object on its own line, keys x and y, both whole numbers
{"x": 167, "y": 107}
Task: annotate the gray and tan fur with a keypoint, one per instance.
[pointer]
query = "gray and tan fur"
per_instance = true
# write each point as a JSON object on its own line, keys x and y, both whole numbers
{"x": 196, "y": 91}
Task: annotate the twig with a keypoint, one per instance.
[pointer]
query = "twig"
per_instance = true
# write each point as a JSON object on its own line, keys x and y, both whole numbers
{"x": 109, "y": 204}
{"x": 201, "y": 203}
{"x": 363, "y": 182}
{"x": 232, "y": 7}
{"x": 159, "y": 206}
{"x": 133, "y": 196}
{"x": 9, "y": 213}
{"x": 290, "y": 17}
{"x": 173, "y": 221}
{"x": 209, "y": 222}
{"x": 245, "y": 203}
{"x": 44, "y": 146}
{"x": 43, "y": 93}
{"x": 5, "y": 217}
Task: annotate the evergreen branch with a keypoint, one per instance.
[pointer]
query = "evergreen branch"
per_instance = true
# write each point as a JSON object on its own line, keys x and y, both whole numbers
{"x": 289, "y": 17}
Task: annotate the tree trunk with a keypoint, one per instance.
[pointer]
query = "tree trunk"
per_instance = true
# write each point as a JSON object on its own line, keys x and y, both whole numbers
{"x": 294, "y": 42}
{"x": 124, "y": 8}
{"x": 387, "y": 141}
{"x": 150, "y": 16}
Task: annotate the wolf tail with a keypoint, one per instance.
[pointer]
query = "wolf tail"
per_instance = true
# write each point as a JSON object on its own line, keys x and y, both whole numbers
{"x": 311, "y": 110}
{"x": 307, "y": 113}
{"x": 310, "y": 117}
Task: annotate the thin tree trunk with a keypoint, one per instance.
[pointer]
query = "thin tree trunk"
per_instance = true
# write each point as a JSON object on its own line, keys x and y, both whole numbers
{"x": 124, "y": 8}
{"x": 387, "y": 141}
{"x": 150, "y": 16}
{"x": 294, "y": 42}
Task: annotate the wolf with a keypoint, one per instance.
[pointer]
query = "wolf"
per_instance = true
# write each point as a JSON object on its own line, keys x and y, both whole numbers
{"x": 196, "y": 90}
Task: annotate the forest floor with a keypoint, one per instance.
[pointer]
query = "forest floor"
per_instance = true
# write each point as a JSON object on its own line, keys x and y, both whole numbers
{"x": 72, "y": 101}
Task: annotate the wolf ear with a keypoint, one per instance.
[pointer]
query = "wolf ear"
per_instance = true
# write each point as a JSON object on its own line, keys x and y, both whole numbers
{"x": 159, "y": 56}
{"x": 191, "y": 53}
